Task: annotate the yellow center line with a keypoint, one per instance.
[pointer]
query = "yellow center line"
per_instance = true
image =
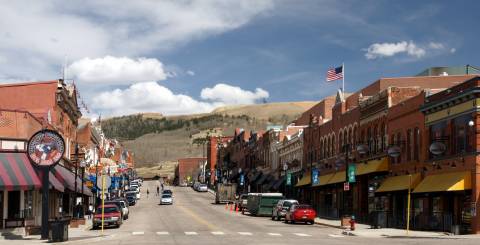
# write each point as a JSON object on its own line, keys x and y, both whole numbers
{"x": 198, "y": 218}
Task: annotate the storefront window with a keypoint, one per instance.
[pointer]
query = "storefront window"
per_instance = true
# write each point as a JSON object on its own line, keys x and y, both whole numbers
{"x": 28, "y": 211}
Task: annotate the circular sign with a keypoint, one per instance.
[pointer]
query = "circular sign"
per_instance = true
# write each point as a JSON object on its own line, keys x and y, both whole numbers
{"x": 437, "y": 148}
{"x": 46, "y": 148}
{"x": 394, "y": 151}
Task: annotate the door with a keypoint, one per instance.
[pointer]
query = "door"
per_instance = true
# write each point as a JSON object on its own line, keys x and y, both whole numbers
{"x": 13, "y": 205}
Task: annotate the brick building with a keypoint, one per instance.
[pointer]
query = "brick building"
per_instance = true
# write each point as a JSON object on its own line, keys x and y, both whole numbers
{"x": 213, "y": 146}
{"x": 189, "y": 169}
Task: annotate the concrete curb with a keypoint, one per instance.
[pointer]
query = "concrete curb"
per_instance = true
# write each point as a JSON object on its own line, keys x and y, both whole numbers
{"x": 329, "y": 225}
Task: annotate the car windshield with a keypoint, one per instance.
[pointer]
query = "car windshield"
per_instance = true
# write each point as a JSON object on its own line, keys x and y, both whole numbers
{"x": 107, "y": 210}
{"x": 303, "y": 207}
{"x": 122, "y": 204}
{"x": 288, "y": 204}
{"x": 166, "y": 196}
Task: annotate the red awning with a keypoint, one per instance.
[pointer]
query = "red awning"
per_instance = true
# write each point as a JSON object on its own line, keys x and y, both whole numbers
{"x": 54, "y": 183}
{"x": 67, "y": 178}
{"x": 16, "y": 172}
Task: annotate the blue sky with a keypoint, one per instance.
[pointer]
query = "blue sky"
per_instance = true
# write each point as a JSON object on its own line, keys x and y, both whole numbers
{"x": 177, "y": 57}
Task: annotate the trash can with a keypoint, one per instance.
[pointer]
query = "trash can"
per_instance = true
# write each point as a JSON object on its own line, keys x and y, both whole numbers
{"x": 58, "y": 231}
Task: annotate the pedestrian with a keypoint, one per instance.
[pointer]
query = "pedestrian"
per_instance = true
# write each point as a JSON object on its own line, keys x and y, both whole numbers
{"x": 148, "y": 192}
{"x": 162, "y": 186}
{"x": 158, "y": 190}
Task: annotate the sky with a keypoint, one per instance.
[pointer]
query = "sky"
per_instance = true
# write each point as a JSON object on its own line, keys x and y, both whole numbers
{"x": 183, "y": 57}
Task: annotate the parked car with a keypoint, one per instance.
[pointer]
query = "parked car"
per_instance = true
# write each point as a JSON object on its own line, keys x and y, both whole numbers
{"x": 112, "y": 216}
{"x": 195, "y": 186}
{"x": 131, "y": 197}
{"x": 122, "y": 205}
{"x": 166, "y": 199}
{"x": 202, "y": 188}
{"x": 241, "y": 202}
{"x": 300, "y": 213}
{"x": 281, "y": 208}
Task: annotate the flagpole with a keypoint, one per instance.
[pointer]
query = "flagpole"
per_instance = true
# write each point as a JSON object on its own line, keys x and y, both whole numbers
{"x": 343, "y": 80}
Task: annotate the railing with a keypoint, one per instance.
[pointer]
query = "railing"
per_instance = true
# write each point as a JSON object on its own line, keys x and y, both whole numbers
{"x": 438, "y": 221}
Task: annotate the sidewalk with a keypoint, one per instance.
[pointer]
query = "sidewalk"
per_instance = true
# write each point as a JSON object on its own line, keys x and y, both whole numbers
{"x": 363, "y": 230}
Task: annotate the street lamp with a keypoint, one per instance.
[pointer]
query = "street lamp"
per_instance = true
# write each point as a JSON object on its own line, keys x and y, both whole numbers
{"x": 395, "y": 151}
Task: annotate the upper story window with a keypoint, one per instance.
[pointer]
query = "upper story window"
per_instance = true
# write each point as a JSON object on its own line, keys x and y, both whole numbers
{"x": 438, "y": 132}
{"x": 462, "y": 134}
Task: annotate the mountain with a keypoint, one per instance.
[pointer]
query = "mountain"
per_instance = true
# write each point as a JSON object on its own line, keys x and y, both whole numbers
{"x": 155, "y": 138}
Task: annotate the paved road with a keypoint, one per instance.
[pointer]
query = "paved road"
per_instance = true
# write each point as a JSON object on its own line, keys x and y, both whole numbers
{"x": 193, "y": 219}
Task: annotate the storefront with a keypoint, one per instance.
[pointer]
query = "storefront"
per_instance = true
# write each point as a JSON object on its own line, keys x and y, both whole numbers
{"x": 443, "y": 202}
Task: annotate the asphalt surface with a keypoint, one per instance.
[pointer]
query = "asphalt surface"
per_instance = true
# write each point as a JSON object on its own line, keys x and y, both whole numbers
{"x": 194, "y": 219}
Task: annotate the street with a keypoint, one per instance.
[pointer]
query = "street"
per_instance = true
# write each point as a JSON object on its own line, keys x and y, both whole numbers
{"x": 193, "y": 219}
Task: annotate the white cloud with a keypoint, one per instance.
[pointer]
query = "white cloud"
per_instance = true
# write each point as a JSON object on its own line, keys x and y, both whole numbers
{"x": 116, "y": 70}
{"x": 232, "y": 95}
{"x": 39, "y": 34}
{"x": 434, "y": 45}
{"x": 153, "y": 97}
{"x": 453, "y": 50}
{"x": 191, "y": 73}
{"x": 380, "y": 50}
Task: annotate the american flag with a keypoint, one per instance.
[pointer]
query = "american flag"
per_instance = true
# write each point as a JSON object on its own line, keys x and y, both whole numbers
{"x": 334, "y": 74}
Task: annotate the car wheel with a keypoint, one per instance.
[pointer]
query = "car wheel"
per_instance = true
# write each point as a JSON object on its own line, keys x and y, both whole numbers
{"x": 292, "y": 221}
{"x": 278, "y": 218}
{"x": 273, "y": 217}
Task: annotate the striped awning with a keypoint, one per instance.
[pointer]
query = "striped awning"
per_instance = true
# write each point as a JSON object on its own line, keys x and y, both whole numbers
{"x": 54, "y": 183}
{"x": 16, "y": 173}
{"x": 67, "y": 178}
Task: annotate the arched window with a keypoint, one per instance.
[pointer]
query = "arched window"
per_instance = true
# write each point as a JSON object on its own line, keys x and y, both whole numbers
{"x": 375, "y": 139}
{"x": 416, "y": 144}
{"x": 345, "y": 139}
{"x": 384, "y": 137}
{"x": 333, "y": 145}
{"x": 340, "y": 140}
{"x": 399, "y": 143}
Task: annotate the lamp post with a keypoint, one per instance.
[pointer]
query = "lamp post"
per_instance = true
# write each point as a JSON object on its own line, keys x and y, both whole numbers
{"x": 395, "y": 151}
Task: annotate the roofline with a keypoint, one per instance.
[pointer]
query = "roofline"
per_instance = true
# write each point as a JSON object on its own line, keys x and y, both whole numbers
{"x": 28, "y": 83}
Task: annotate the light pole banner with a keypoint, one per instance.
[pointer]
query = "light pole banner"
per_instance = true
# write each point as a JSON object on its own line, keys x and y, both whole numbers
{"x": 352, "y": 170}
{"x": 315, "y": 180}
{"x": 289, "y": 179}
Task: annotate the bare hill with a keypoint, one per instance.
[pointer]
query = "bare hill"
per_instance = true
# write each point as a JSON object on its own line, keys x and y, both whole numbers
{"x": 155, "y": 138}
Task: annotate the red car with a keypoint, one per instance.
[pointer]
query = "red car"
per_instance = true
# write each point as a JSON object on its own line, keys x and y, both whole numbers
{"x": 300, "y": 213}
{"x": 112, "y": 216}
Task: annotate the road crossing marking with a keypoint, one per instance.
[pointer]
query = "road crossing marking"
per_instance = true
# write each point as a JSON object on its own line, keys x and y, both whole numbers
{"x": 335, "y": 235}
{"x": 301, "y": 234}
{"x": 218, "y": 233}
{"x": 245, "y": 233}
{"x": 136, "y": 233}
{"x": 191, "y": 233}
{"x": 274, "y": 234}
{"x": 162, "y": 233}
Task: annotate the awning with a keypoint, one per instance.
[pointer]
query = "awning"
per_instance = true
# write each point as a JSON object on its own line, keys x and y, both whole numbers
{"x": 16, "y": 173}
{"x": 54, "y": 182}
{"x": 278, "y": 183}
{"x": 456, "y": 181}
{"x": 337, "y": 178}
{"x": 305, "y": 180}
{"x": 324, "y": 179}
{"x": 262, "y": 179}
{"x": 399, "y": 183}
{"x": 255, "y": 177}
{"x": 67, "y": 178}
{"x": 372, "y": 166}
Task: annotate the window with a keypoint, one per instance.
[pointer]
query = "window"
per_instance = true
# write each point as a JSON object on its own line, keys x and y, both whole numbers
{"x": 416, "y": 144}
{"x": 399, "y": 143}
{"x": 438, "y": 131}
{"x": 409, "y": 145}
{"x": 462, "y": 134}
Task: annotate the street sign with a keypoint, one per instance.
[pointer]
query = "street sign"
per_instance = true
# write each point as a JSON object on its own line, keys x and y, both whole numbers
{"x": 289, "y": 179}
{"x": 46, "y": 148}
{"x": 351, "y": 173}
{"x": 346, "y": 186}
{"x": 315, "y": 180}
{"x": 108, "y": 182}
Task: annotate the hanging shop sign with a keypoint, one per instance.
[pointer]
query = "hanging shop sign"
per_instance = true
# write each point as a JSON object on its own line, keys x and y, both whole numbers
{"x": 46, "y": 148}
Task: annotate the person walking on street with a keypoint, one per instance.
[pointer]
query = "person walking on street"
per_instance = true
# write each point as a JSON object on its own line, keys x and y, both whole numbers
{"x": 162, "y": 186}
{"x": 158, "y": 190}
{"x": 148, "y": 192}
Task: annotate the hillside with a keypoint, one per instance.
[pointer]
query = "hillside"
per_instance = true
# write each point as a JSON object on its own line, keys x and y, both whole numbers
{"x": 155, "y": 138}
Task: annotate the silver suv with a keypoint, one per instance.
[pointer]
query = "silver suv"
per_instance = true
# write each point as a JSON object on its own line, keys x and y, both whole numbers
{"x": 281, "y": 208}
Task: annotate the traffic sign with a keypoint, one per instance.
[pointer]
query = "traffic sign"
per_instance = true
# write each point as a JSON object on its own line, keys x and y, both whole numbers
{"x": 346, "y": 186}
{"x": 108, "y": 182}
